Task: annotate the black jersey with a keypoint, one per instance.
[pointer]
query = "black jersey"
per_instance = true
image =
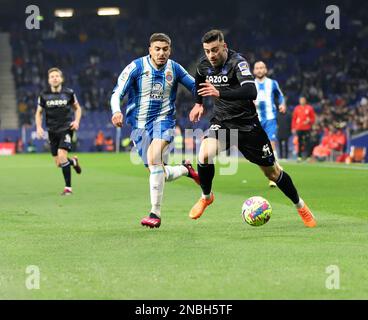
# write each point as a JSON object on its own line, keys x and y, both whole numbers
{"x": 232, "y": 75}
{"x": 58, "y": 107}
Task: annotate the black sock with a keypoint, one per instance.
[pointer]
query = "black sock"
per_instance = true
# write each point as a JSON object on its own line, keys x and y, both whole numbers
{"x": 286, "y": 185}
{"x": 206, "y": 173}
{"x": 67, "y": 174}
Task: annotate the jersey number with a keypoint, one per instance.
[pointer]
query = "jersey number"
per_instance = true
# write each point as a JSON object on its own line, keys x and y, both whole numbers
{"x": 68, "y": 139}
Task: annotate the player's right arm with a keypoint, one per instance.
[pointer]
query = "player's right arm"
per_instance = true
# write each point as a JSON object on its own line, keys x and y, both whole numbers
{"x": 198, "y": 109}
{"x": 38, "y": 120}
{"x": 39, "y": 116}
{"x": 123, "y": 85}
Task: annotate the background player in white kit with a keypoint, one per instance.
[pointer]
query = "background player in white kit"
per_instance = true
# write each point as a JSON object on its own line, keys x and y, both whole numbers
{"x": 268, "y": 92}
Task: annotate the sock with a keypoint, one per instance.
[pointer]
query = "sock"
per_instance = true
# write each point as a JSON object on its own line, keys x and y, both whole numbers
{"x": 174, "y": 172}
{"x": 66, "y": 173}
{"x": 206, "y": 173}
{"x": 286, "y": 185}
{"x": 300, "y": 204}
{"x": 157, "y": 182}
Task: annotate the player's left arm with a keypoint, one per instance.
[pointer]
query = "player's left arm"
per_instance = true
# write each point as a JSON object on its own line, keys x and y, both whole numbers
{"x": 278, "y": 93}
{"x": 77, "y": 114}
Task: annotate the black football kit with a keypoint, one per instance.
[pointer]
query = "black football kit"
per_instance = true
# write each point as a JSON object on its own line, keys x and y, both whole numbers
{"x": 235, "y": 120}
{"x": 58, "y": 107}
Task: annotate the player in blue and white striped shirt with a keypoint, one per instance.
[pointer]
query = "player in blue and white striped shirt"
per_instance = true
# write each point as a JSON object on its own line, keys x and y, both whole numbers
{"x": 151, "y": 83}
{"x": 268, "y": 91}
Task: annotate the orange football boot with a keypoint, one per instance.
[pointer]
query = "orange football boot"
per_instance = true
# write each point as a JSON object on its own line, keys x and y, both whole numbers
{"x": 307, "y": 217}
{"x": 200, "y": 206}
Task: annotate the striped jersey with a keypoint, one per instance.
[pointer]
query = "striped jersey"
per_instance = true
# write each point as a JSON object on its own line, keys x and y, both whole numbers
{"x": 151, "y": 92}
{"x": 268, "y": 90}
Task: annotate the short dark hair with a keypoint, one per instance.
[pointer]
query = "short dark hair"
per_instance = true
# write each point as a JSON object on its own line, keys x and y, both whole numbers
{"x": 160, "y": 37}
{"x": 54, "y": 69}
{"x": 213, "y": 35}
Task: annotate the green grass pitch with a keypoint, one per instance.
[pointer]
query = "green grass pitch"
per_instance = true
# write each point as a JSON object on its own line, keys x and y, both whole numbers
{"x": 91, "y": 245}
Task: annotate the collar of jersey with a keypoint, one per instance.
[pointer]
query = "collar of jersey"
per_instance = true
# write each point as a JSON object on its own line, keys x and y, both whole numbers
{"x": 153, "y": 68}
{"x": 61, "y": 90}
{"x": 263, "y": 80}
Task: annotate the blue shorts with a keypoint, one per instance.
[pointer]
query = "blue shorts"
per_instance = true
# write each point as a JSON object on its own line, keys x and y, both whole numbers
{"x": 270, "y": 126}
{"x": 142, "y": 138}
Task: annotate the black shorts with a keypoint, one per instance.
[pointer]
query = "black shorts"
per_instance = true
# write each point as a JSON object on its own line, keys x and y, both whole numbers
{"x": 60, "y": 140}
{"x": 252, "y": 141}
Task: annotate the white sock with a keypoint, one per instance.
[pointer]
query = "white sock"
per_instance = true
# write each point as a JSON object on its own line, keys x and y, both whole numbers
{"x": 175, "y": 172}
{"x": 300, "y": 204}
{"x": 206, "y": 196}
{"x": 157, "y": 182}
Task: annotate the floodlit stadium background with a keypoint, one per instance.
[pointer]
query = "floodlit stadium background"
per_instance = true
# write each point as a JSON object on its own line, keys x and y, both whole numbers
{"x": 327, "y": 66}
{"x": 92, "y": 246}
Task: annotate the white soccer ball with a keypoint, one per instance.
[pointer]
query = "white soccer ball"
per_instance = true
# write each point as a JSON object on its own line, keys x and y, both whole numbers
{"x": 256, "y": 211}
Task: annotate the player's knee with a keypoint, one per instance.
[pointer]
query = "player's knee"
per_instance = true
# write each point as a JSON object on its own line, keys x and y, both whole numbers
{"x": 155, "y": 162}
{"x": 205, "y": 155}
{"x": 273, "y": 173}
{"x": 61, "y": 159}
{"x": 203, "y": 159}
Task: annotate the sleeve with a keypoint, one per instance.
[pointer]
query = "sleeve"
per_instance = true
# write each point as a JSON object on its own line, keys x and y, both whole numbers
{"x": 41, "y": 101}
{"x": 124, "y": 82}
{"x": 247, "y": 89}
{"x": 277, "y": 92}
{"x": 199, "y": 78}
{"x": 185, "y": 78}
{"x": 243, "y": 73}
{"x": 73, "y": 97}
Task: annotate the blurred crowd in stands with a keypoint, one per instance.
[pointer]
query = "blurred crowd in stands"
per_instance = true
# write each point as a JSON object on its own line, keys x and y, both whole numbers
{"x": 328, "y": 67}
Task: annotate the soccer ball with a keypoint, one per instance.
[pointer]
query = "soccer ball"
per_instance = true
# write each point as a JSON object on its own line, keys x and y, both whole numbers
{"x": 256, "y": 211}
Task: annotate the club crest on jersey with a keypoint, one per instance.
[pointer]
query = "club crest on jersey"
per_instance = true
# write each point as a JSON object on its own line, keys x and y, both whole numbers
{"x": 169, "y": 76}
{"x": 157, "y": 92}
{"x": 244, "y": 69}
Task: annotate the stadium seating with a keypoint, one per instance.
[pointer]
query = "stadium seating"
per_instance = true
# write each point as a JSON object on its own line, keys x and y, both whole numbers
{"x": 93, "y": 57}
